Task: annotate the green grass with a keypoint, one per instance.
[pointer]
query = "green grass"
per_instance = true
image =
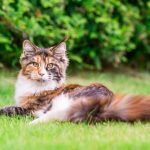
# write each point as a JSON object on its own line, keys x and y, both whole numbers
{"x": 15, "y": 133}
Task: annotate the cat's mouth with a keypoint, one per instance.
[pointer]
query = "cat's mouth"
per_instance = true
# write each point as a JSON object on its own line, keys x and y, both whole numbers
{"x": 42, "y": 80}
{"x": 39, "y": 79}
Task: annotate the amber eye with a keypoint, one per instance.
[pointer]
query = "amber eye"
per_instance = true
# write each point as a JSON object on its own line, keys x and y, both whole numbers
{"x": 35, "y": 64}
{"x": 50, "y": 66}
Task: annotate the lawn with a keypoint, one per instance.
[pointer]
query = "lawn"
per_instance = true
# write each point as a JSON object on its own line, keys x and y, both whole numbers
{"x": 15, "y": 133}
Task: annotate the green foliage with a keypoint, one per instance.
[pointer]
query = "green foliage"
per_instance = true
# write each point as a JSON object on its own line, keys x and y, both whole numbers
{"x": 101, "y": 32}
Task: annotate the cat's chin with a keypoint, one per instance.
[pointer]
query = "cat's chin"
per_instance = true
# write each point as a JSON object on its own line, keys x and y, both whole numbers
{"x": 42, "y": 81}
{"x": 45, "y": 82}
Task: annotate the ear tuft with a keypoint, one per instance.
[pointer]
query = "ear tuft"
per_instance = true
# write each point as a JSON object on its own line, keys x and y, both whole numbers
{"x": 28, "y": 48}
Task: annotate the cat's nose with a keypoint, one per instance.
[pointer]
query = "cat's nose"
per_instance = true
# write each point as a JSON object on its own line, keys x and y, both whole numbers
{"x": 41, "y": 74}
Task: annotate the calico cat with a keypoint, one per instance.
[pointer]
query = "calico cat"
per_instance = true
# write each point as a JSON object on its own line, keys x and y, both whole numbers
{"x": 42, "y": 93}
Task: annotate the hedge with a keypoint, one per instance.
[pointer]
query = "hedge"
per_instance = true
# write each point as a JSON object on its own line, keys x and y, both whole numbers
{"x": 101, "y": 32}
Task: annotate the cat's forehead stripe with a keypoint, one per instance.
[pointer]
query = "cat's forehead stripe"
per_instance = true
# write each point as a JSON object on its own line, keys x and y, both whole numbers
{"x": 37, "y": 58}
{"x": 43, "y": 52}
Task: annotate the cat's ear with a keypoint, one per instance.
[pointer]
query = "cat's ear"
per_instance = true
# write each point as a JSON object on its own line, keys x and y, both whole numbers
{"x": 59, "y": 52}
{"x": 60, "y": 49}
{"x": 28, "y": 48}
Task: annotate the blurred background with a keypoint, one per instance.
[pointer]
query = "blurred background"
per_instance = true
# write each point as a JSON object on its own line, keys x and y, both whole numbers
{"x": 103, "y": 34}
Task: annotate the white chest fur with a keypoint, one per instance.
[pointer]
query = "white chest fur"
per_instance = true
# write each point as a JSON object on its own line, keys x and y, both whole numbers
{"x": 25, "y": 87}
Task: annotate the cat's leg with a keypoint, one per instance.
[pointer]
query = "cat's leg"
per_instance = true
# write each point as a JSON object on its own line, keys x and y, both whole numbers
{"x": 13, "y": 110}
{"x": 59, "y": 115}
{"x": 61, "y": 106}
{"x": 90, "y": 102}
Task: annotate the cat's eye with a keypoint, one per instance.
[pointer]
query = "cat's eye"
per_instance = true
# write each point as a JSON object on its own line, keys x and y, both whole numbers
{"x": 35, "y": 64}
{"x": 50, "y": 66}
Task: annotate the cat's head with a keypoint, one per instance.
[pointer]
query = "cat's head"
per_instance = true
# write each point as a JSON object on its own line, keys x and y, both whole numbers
{"x": 44, "y": 64}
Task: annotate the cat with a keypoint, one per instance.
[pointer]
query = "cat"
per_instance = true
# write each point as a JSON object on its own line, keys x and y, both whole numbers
{"x": 41, "y": 92}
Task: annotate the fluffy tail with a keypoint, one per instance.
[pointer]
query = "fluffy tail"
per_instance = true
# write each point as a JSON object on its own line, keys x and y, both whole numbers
{"x": 13, "y": 110}
{"x": 128, "y": 108}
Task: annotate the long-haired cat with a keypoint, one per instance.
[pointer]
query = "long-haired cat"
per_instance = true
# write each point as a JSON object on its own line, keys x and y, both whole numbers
{"x": 41, "y": 92}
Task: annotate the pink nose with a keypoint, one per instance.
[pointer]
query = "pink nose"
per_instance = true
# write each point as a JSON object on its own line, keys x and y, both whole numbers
{"x": 41, "y": 74}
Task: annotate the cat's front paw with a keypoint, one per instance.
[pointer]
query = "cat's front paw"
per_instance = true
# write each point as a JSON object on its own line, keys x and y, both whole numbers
{"x": 34, "y": 122}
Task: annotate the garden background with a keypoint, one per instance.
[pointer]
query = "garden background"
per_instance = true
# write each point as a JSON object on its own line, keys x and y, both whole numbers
{"x": 101, "y": 33}
{"x": 109, "y": 42}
